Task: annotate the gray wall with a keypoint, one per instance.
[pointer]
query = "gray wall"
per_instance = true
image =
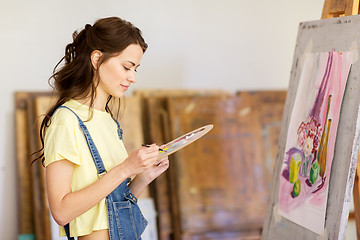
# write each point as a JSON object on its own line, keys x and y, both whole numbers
{"x": 223, "y": 44}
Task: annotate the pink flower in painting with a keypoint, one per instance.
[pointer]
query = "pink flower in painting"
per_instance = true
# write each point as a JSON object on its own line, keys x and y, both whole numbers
{"x": 309, "y": 136}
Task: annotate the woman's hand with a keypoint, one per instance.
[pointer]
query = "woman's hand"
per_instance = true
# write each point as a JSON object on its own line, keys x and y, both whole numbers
{"x": 141, "y": 160}
{"x": 144, "y": 178}
{"x": 155, "y": 170}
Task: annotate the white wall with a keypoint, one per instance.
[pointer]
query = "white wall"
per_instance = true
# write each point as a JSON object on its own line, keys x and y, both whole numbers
{"x": 222, "y": 44}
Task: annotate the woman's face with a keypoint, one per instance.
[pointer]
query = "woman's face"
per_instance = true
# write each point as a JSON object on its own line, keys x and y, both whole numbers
{"x": 119, "y": 72}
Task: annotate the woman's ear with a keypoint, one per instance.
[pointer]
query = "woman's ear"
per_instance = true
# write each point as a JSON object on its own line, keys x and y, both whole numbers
{"x": 95, "y": 58}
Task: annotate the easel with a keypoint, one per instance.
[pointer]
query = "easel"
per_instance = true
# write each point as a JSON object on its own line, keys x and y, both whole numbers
{"x": 340, "y": 8}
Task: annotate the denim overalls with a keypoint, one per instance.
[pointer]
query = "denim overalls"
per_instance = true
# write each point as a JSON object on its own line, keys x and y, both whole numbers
{"x": 126, "y": 221}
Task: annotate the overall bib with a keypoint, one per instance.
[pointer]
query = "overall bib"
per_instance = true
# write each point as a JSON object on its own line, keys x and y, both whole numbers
{"x": 126, "y": 221}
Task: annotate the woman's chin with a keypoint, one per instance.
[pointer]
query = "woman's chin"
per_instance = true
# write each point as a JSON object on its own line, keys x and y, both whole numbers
{"x": 118, "y": 94}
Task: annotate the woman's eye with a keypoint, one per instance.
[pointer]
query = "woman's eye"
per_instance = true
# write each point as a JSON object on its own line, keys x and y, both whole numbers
{"x": 129, "y": 69}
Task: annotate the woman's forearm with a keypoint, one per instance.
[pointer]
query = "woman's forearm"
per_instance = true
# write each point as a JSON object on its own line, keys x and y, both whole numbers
{"x": 66, "y": 205}
{"x": 138, "y": 185}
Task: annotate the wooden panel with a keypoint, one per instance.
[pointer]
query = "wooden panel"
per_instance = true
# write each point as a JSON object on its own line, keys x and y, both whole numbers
{"x": 129, "y": 115}
{"x": 25, "y": 201}
{"x": 33, "y": 212}
{"x": 41, "y": 209}
{"x": 157, "y": 124}
{"x": 268, "y": 107}
{"x": 211, "y": 187}
{"x": 41, "y": 106}
{"x": 222, "y": 180}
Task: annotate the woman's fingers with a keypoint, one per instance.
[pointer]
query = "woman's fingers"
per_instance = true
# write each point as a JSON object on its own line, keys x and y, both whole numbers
{"x": 151, "y": 148}
{"x": 161, "y": 161}
{"x": 164, "y": 164}
{"x": 147, "y": 156}
{"x": 151, "y": 155}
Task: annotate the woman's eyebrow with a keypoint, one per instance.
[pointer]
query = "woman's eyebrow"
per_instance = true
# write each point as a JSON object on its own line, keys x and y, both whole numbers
{"x": 133, "y": 63}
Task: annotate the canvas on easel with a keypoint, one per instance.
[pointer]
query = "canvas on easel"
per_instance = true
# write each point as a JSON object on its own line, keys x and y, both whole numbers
{"x": 319, "y": 142}
{"x": 311, "y": 139}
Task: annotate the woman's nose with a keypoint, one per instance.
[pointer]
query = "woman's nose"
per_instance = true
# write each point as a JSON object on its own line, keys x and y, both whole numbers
{"x": 132, "y": 77}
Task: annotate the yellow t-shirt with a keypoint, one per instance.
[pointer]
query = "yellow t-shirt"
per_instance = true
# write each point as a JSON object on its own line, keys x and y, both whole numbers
{"x": 65, "y": 140}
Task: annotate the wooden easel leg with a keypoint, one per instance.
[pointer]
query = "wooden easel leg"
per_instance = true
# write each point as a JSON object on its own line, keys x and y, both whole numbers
{"x": 339, "y": 8}
{"x": 356, "y": 196}
{"x": 352, "y": 7}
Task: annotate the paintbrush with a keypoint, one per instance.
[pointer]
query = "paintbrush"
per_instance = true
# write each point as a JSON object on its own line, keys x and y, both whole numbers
{"x": 145, "y": 145}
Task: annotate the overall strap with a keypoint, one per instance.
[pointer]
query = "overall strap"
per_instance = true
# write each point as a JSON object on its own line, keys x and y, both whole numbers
{"x": 67, "y": 231}
{"x": 119, "y": 130}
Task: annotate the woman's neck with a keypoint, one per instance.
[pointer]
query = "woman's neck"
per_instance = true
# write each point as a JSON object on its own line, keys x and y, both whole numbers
{"x": 98, "y": 104}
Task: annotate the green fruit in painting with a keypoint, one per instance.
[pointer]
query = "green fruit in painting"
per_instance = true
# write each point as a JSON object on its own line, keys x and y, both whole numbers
{"x": 296, "y": 188}
{"x": 314, "y": 172}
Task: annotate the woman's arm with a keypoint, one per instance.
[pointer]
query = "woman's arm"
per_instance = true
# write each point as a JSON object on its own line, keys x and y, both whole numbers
{"x": 66, "y": 205}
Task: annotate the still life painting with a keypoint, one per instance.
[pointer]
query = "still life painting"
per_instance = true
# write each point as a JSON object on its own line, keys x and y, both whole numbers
{"x": 311, "y": 137}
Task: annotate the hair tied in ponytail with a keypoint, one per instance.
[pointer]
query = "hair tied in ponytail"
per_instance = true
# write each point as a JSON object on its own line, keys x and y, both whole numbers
{"x": 69, "y": 52}
{"x": 87, "y": 26}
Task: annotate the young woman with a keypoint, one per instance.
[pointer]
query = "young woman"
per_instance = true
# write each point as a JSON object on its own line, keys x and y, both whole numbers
{"x": 87, "y": 167}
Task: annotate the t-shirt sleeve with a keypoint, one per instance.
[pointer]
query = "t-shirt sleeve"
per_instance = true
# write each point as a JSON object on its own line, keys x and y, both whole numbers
{"x": 60, "y": 140}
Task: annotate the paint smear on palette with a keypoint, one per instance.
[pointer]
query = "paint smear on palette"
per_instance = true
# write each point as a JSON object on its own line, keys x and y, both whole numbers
{"x": 311, "y": 136}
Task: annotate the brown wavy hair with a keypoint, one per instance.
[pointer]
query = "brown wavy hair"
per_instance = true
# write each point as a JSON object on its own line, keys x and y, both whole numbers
{"x": 76, "y": 78}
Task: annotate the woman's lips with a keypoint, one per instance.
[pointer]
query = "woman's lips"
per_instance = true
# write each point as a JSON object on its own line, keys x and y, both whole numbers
{"x": 124, "y": 87}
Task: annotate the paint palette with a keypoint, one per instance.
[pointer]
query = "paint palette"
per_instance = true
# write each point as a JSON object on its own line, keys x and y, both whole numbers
{"x": 184, "y": 140}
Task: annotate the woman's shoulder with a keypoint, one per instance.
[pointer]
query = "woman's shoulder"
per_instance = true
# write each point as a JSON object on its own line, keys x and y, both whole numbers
{"x": 63, "y": 116}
